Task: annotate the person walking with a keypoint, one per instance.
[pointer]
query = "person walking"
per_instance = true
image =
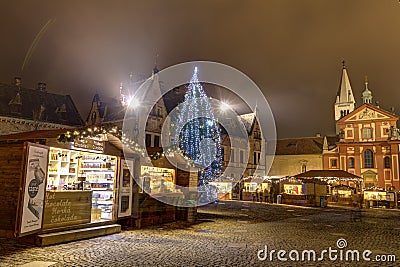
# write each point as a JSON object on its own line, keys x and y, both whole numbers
{"x": 258, "y": 194}
{"x": 271, "y": 195}
{"x": 266, "y": 197}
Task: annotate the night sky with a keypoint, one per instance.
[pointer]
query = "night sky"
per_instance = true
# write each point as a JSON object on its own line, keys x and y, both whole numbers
{"x": 292, "y": 49}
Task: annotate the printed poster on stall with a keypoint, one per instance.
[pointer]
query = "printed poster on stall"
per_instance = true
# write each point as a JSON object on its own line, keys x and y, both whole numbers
{"x": 125, "y": 188}
{"x": 34, "y": 189}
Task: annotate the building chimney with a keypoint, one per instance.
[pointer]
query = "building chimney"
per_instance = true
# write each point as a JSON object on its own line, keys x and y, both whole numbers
{"x": 317, "y": 135}
{"x": 42, "y": 87}
{"x": 17, "y": 81}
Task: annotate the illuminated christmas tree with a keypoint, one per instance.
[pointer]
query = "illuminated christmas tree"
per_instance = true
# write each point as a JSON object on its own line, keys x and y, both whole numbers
{"x": 199, "y": 136}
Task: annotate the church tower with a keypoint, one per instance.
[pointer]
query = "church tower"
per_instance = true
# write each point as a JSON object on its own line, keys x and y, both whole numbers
{"x": 345, "y": 102}
{"x": 367, "y": 94}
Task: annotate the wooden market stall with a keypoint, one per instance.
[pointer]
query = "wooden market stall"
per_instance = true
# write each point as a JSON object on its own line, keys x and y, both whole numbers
{"x": 225, "y": 187}
{"x": 375, "y": 197}
{"x": 54, "y": 187}
{"x": 341, "y": 187}
{"x": 256, "y": 188}
{"x": 303, "y": 191}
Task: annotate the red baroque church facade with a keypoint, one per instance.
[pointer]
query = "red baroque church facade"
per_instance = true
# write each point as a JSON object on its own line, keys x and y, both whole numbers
{"x": 369, "y": 140}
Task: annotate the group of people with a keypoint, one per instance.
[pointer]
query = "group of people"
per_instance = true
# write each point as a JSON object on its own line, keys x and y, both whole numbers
{"x": 259, "y": 195}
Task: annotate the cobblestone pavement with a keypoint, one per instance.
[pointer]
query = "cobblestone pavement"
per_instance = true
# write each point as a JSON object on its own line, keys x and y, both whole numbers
{"x": 229, "y": 233}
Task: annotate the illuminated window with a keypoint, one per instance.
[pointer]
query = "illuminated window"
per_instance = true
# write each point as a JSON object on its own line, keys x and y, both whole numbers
{"x": 368, "y": 159}
{"x": 351, "y": 162}
{"x": 367, "y": 133}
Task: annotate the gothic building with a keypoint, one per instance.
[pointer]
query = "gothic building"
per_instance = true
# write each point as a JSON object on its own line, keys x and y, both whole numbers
{"x": 23, "y": 109}
{"x": 369, "y": 142}
{"x": 112, "y": 111}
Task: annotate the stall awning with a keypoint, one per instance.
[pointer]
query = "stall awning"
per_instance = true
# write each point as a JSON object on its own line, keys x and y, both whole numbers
{"x": 329, "y": 175}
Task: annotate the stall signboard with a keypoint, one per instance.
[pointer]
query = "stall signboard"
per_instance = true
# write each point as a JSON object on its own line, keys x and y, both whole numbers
{"x": 34, "y": 189}
{"x": 390, "y": 196}
{"x": 150, "y": 170}
{"x": 125, "y": 188}
{"x": 374, "y": 195}
{"x": 293, "y": 189}
{"x": 88, "y": 144}
{"x": 344, "y": 193}
{"x": 193, "y": 181}
{"x": 68, "y": 207}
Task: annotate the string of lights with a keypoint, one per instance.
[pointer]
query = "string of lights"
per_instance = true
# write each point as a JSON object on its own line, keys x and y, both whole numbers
{"x": 199, "y": 137}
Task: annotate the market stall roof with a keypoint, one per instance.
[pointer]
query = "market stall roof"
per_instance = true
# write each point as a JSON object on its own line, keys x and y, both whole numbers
{"x": 254, "y": 179}
{"x": 54, "y": 133}
{"x": 37, "y": 134}
{"x": 328, "y": 175}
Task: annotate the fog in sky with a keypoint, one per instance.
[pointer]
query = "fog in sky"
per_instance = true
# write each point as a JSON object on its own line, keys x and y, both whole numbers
{"x": 292, "y": 49}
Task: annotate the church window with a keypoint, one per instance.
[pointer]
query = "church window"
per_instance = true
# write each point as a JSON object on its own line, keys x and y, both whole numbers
{"x": 367, "y": 133}
{"x": 386, "y": 131}
{"x": 94, "y": 115}
{"x": 368, "y": 159}
{"x": 333, "y": 163}
{"x": 303, "y": 168}
{"x": 387, "y": 162}
{"x": 351, "y": 162}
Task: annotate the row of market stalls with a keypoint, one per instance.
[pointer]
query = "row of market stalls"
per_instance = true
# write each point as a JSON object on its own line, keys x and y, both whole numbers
{"x": 312, "y": 188}
{"x": 51, "y": 186}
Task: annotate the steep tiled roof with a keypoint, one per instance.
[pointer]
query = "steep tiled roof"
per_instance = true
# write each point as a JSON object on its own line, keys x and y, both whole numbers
{"x": 248, "y": 120}
{"x": 305, "y": 145}
{"x": 38, "y": 134}
{"x": 112, "y": 110}
{"x": 30, "y": 102}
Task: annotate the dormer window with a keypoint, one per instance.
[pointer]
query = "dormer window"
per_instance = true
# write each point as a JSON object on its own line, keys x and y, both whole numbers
{"x": 94, "y": 115}
{"x": 15, "y": 104}
{"x": 62, "y": 112}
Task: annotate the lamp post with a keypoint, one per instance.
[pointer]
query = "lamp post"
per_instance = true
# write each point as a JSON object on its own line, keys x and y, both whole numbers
{"x": 133, "y": 120}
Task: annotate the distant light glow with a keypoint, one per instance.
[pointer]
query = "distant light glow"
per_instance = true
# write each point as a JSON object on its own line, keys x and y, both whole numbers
{"x": 133, "y": 102}
{"x": 225, "y": 106}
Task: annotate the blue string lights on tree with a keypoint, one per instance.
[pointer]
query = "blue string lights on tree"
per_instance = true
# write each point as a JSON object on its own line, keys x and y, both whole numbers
{"x": 198, "y": 136}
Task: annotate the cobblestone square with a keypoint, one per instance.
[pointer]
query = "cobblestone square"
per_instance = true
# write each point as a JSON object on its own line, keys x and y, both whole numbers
{"x": 229, "y": 233}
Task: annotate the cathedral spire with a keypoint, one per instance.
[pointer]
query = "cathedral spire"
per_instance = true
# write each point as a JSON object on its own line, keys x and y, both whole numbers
{"x": 345, "y": 102}
{"x": 155, "y": 69}
{"x": 345, "y": 93}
